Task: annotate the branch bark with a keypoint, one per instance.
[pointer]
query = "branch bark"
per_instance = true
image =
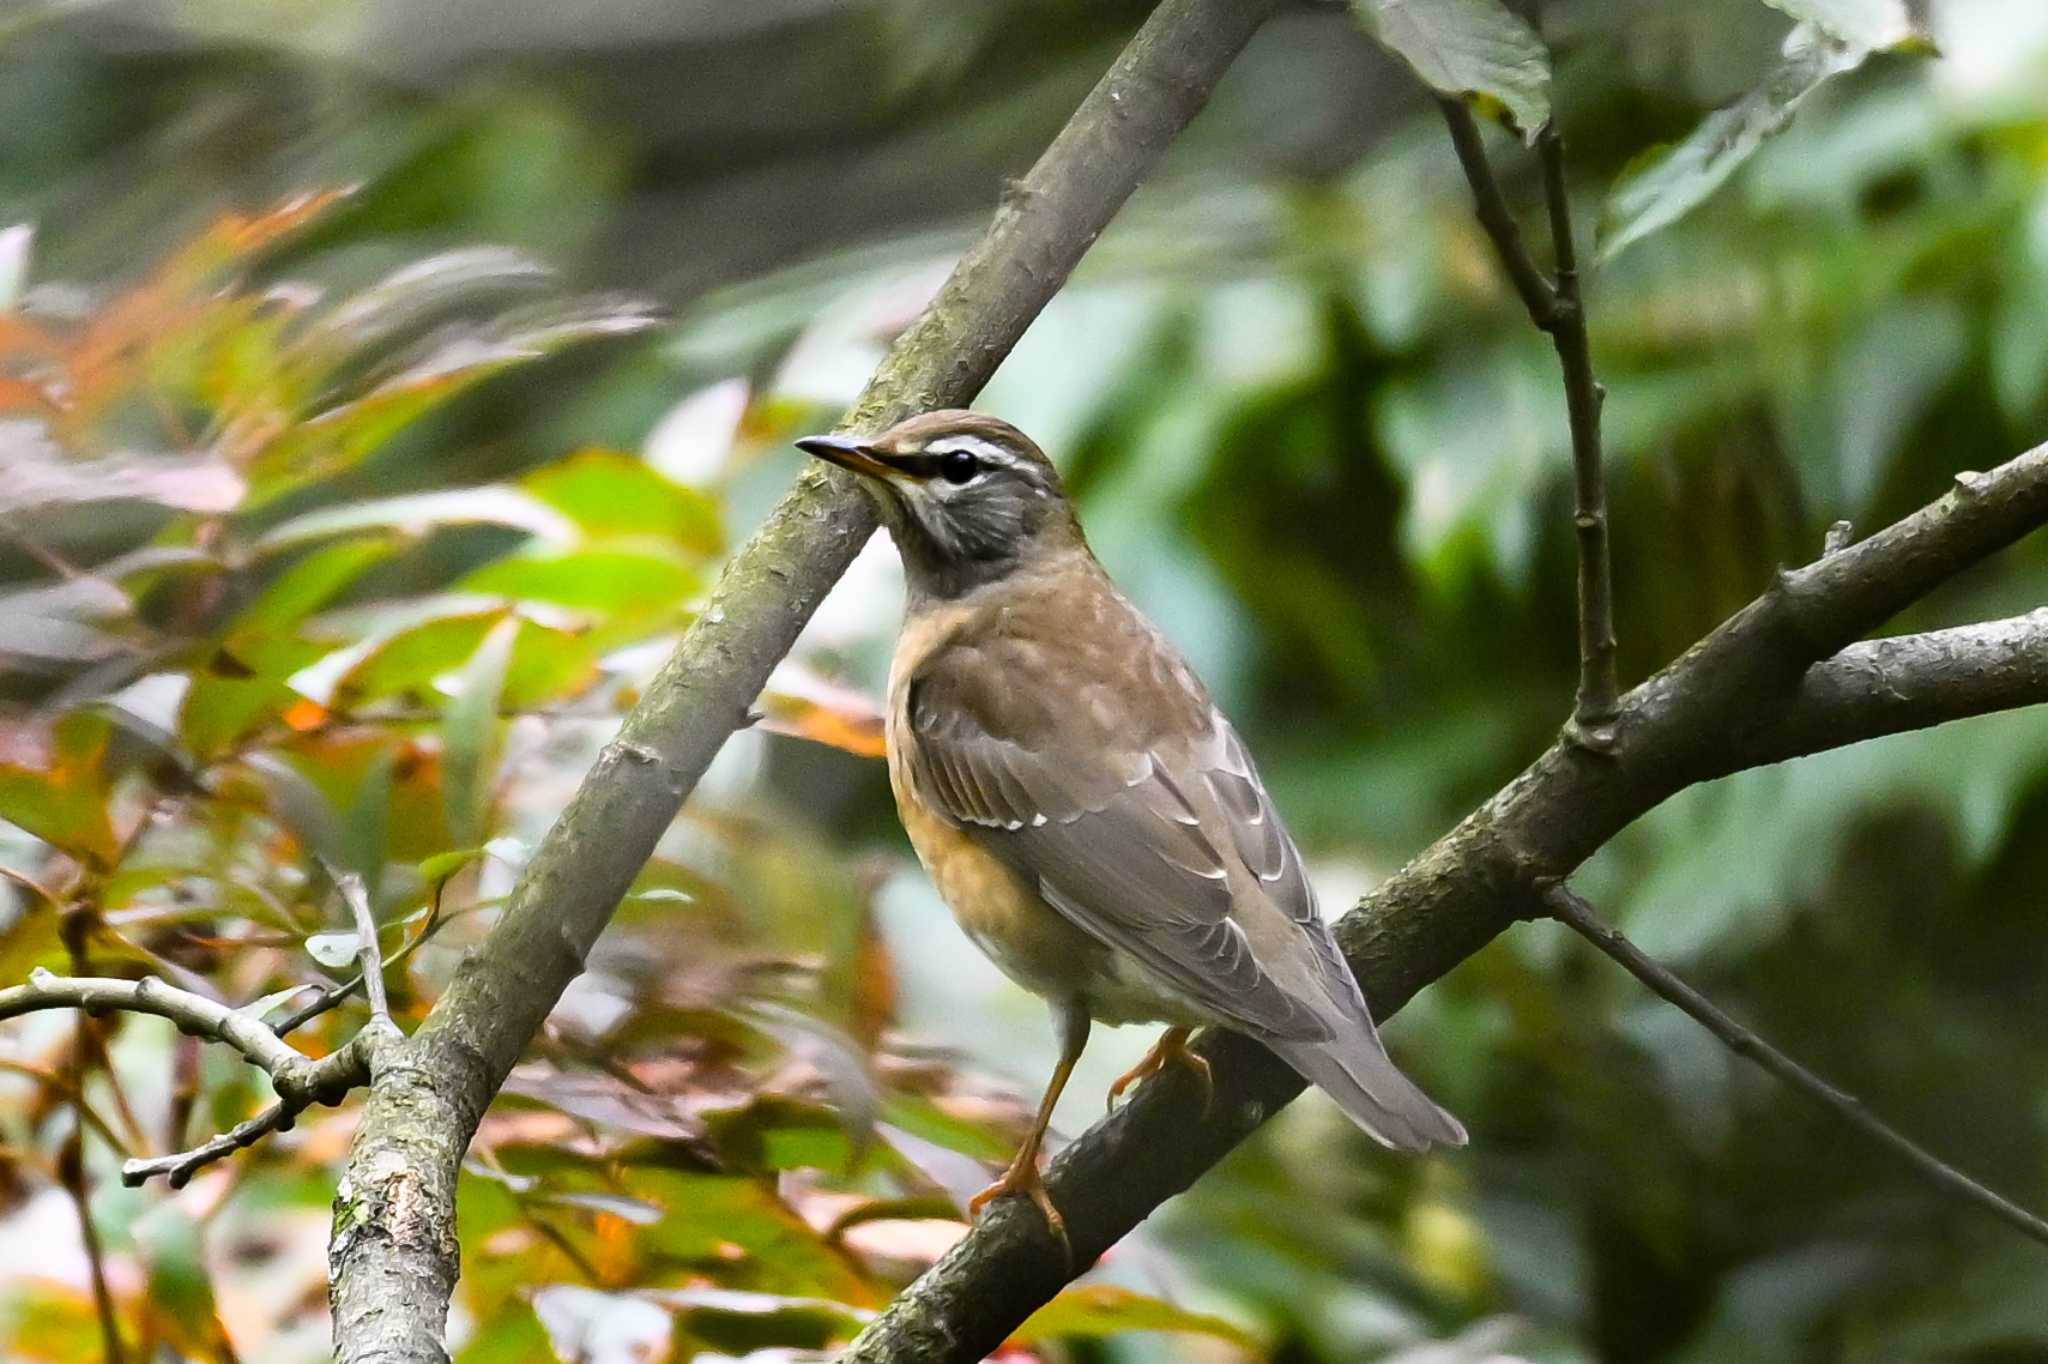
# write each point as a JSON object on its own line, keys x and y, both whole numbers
{"x": 1734, "y": 700}
{"x": 300, "y": 1081}
{"x": 393, "y": 1256}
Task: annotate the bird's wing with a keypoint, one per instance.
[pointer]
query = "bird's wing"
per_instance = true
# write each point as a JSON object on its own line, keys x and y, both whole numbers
{"x": 1131, "y": 804}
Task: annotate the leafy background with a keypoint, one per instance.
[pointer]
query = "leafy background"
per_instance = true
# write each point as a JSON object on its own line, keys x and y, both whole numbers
{"x": 381, "y": 385}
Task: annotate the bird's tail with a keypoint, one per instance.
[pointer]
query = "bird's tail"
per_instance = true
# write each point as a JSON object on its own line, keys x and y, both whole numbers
{"x": 1357, "y": 1072}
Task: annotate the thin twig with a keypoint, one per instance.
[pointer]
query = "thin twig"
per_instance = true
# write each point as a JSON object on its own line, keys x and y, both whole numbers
{"x": 179, "y": 1167}
{"x": 72, "y": 1094}
{"x": 71, "y": 1174}
{"x": 1558, "y": 310}
{"x": 89, "y": 1045}
{"x": 1599, "y": 685}
{"x": 333, "y": 995}
{"x": 368, "y": 954}
{"x": 1491, "y": 206}
{"x": 1570, "y": 909}
{"x": 299, "y": 1080}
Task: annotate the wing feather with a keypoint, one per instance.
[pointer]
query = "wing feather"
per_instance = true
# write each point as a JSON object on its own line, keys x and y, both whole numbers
{"x": 1146, "y": 849}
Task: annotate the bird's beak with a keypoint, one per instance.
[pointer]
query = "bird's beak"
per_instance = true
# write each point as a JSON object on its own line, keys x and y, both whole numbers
{"x": 849, "y": 453}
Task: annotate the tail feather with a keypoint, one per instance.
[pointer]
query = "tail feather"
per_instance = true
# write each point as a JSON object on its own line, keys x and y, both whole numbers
{"x": 1357, "y": 1072}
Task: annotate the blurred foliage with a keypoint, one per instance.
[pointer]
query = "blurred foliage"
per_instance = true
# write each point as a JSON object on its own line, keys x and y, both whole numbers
{"x": 345, "y": 527}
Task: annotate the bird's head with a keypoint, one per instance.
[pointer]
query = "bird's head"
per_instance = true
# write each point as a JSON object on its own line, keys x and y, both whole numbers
{"x": 969, "y": 498}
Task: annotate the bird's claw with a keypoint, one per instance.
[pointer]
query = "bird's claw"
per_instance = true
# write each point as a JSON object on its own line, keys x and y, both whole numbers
{"x": 1172, "y": 1047}
{"x": 1023, "y": 1177}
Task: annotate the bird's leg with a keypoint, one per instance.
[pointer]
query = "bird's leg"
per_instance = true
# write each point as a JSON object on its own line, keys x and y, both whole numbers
{"x": 1022, "y": 1176}
{"x": 1171, "y": 1048}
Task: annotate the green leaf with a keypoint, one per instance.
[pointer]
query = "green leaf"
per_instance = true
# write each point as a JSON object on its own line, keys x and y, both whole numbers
{"x": 344, "y": 435}
{"x": 260, "y": 1008}
{"x": 39, "y": 476}
{"x": 436, "y": 871}
{"x": 614, "y": 581}
{"x": 1468, "y": 48}
{"x": 308, "y": 585}
{"x": 299, "y": 806}
{"x": 547, "y": 665}
{"x": 1881, "y": 25}
{"x": 1106, "y": 1310}
{"x": 612, "y": 494}
{"x": 771, "y": 1132}
{"x": 743, "y": 1322}
{"x": 239, "y": 689}
{"x": 410, "y": 660}
{"x": 65, "y": 802}
{"x": 470, "y": 736}
{"x": 334, "y": 950}
{"x": 732, "y": 1224}
{"x": 418, "y": 513}
{"x": 1666, "y": 183}
{"x": 418, "y": 290}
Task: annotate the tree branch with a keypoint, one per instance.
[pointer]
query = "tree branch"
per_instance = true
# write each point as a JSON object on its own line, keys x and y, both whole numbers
{"x": 369, "y": 957}
{"x": 1575, "y": 913}
{"x": 1491, "y": 208}
{"x": 1599, "y": 685}
{"x": 179, "y": 1167}
{"x": 393, "y": 1259}
{"x": 1906, "y": 682}
{"x": 1558, "y": 310}
{"x": 1727, "y": 703}
{"x": 299, "y": 1080}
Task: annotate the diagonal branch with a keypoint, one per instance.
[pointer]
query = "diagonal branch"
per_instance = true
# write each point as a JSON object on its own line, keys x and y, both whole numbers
{"x": 393, "y": 1261}
{"x": 1733, "y": 700}
{"x": 1490, "y": 206}
{"x": 1573, "y": 911}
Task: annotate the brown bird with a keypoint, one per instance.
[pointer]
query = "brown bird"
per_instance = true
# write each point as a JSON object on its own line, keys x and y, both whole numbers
{"x": 1092, "y": 819}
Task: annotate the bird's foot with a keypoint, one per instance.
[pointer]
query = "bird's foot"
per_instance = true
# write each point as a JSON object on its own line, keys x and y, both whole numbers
{"x": 1023, "y": 1178}
{"x": 1171, "y": 1048}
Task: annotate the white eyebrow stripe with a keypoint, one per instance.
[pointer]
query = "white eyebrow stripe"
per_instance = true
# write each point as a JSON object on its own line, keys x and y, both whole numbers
{"x": 974, "y": 445}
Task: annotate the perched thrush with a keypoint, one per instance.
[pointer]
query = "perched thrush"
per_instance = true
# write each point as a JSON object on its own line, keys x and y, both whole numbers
{"x": 1092, "y": 819}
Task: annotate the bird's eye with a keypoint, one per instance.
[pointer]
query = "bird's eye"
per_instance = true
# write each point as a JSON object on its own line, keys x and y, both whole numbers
{"x": 958, "y": 466}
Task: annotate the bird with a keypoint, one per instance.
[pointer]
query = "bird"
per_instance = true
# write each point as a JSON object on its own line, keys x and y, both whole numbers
{"x": 1092, "y": 819}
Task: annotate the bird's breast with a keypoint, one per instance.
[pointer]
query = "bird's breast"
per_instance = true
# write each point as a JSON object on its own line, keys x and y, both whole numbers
{"x": 998, "y": 907}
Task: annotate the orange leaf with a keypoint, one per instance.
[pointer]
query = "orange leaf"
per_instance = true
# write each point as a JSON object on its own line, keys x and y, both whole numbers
{"x": 304, "y": 715}
{"x": 807, "y": 706}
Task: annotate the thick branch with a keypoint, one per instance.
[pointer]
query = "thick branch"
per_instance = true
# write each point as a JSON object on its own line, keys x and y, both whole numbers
{"x": 1888, "y": 686}
{"x": 1726, "y": 704}
{"x": 391, "y": 1284}
{"x": 1573, "y": 911}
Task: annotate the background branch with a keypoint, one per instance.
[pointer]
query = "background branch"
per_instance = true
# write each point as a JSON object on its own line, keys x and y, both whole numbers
{"x": 1558, "y": 309}
{"x": 1573, "y": 911}
{"x": 1727, "y": 703}
{"x": 299, "y": 1080}
{"x": 393, "y": 1261}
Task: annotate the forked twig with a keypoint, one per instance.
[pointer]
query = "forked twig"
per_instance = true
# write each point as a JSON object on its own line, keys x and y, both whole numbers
{"x": 1558, "y": 309}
